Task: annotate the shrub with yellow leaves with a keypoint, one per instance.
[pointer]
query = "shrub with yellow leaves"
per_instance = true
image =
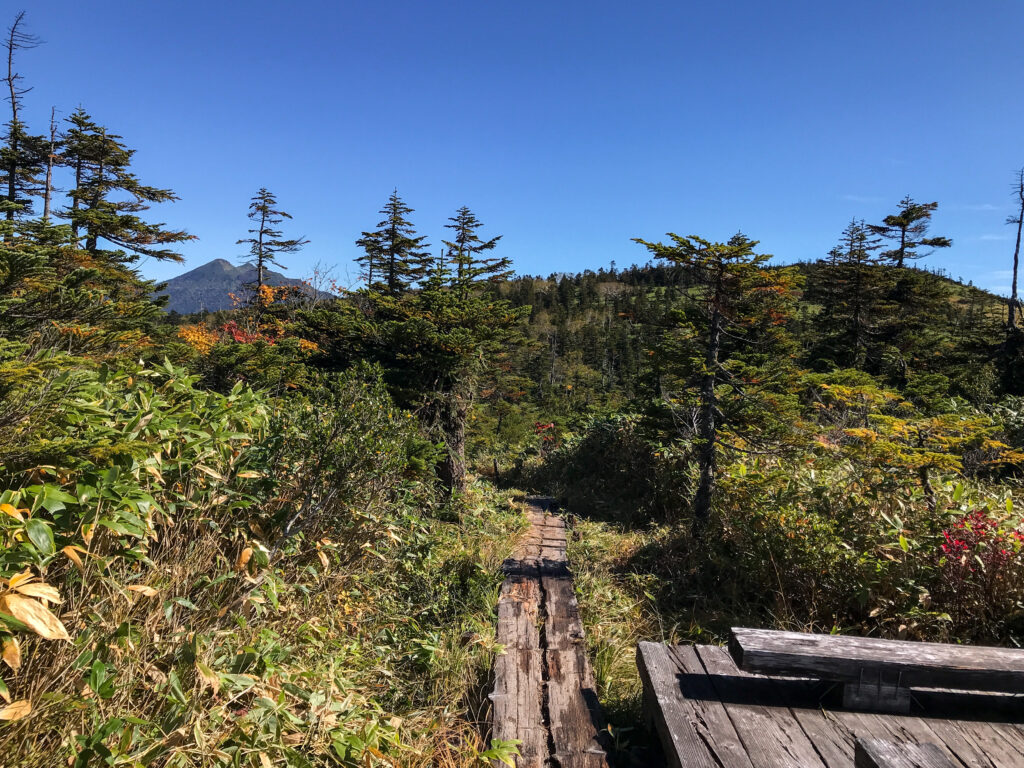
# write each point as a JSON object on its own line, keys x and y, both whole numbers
{"x": 199, "y": 337}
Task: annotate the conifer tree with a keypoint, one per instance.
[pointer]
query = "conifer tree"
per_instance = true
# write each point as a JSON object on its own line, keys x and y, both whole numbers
{"x": 907, "y": 228}
{"x": 851, "y": 289}
{"x": 267, "y": 243}
{"x": 466, "y": 250}
{"x": 735, "y": 303}
{"x": 99, "y": 209}
{"x": 393, "y": 257}
{"x": 22, "y": 155}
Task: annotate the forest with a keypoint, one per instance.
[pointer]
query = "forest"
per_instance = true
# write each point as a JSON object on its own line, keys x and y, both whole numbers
{"x": 272, "y": 535}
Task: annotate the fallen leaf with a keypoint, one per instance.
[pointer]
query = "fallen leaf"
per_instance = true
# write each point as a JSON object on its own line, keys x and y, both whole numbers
{"x": 40, "y": 590}
{"x": 34, "y": 615}
{"x": 265, "y": 761}
{"x": 16, "y": 711}
{"x": 142, "y": 589}
{"x": 72, "y": 555}
{"x": 243, "y": 558}
{"x": 12, "y": 653}
{"x": 20, "y": 578}
{"x": 208, "y": 676}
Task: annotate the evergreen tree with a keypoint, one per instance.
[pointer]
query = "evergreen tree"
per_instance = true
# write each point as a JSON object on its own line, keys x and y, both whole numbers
{"x": 850, "y": 285}
{"x": 735, "y": 303}
{"x": 466, "y": 251}
{"x": 107, "y": 197}
{"x": 394, "y": 258}
{"x": 267, "y": 242}
{"x": 908, "y": 228}
{"x": 22, "y": 155}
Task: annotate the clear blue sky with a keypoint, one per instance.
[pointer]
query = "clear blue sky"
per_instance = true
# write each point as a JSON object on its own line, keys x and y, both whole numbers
{"x": 569, "y": 127}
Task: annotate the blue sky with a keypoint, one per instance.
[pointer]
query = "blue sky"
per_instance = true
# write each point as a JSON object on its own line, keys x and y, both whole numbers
{"x": 568, "y": 127}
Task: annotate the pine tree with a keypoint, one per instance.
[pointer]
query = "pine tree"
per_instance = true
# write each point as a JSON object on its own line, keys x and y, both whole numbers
{"x": 908, "y": 229}
{"x": 267, "y": 243}
{"x": 22, "y": 156}
{"x": 394, "y": 258}
{"x": 101, "y": 166}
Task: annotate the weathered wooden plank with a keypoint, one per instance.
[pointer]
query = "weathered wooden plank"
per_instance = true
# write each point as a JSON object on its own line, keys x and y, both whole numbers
{"x": 772, "y": 736}
{"x": 686, "y": 711}
{"x": 833, "y": 743}
{"x": 544, "y": 689}
{"x": 877, "y": 753}
{"x": 516, "y": 704}
{"x": 573, "y": 709}
{"x": 846, "y": 659}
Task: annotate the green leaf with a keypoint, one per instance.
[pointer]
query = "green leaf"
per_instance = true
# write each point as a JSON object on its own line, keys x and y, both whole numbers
{"x": 40, "y": 535}
{"x": 903, "y": 543}
{"x": 958, "y": 491}
{"x": 1009, "y": 503}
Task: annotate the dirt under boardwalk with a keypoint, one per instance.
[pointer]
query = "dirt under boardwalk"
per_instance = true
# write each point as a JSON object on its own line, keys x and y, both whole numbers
{"x": 543, "y": 684}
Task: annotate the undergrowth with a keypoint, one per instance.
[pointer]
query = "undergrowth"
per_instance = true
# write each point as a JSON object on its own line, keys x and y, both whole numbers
{"x": 230, "y": 580}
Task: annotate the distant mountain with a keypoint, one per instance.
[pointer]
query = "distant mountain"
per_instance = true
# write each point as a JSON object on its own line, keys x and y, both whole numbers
{"x": 208, "y": 287}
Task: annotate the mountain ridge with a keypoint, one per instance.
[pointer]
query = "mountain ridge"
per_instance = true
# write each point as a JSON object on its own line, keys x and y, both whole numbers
{"x": 209, "y": 286}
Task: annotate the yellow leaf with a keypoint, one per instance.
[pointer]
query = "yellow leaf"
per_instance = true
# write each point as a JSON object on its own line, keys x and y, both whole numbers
{"x": 72, "y": 555}
{"x": 43, "y": 591}
{"x": 248, "y": 474}
{"x": 21, "y": 578}
{"x": 12, "y": 653}
{"x": 142, "y": 589}
{"x": 323, "y": 558}
{"x": 265, "y": 761}
{"x": 16, "y": 711}
{"x": 87, "y": 532}
{"x": 35, "y": 615}
{"x": 243, "y": 558}
{"x": 208, "y": 676}
{"x": 211, "y": 472}
{"x": 155, "y": 472}
{"x": 8, "y": 509}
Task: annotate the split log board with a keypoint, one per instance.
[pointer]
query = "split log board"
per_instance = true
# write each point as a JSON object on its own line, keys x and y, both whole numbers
{"x": 847, "y": 659}
{"x": 544, "y": 692}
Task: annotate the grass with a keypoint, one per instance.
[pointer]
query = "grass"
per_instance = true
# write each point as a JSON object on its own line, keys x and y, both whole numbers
{"x": 359, "y": 657}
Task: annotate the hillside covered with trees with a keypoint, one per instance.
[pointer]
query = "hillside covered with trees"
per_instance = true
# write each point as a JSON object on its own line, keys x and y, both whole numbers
{"x": 272, "y": 534}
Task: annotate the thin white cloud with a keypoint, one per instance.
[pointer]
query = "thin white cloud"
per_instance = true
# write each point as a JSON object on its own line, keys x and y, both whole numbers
{"x": 974, "y": 207}
{"x": 994, "y": 237}
{"x": 1000, "y": 274}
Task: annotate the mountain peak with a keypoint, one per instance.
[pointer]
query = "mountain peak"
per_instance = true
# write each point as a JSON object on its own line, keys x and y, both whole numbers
{"x": 208, "y": 287}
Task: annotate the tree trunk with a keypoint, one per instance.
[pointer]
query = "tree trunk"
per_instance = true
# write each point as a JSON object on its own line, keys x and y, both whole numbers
{"x": 452, "y": 468}
{"x": 707, "y": 425}
{"x": 1014, "y": 302}
{"x": 12, "y": 141}
{"x": 51, "y": 156}
{"x": 929, "y": 492}
{"x": 74, "y": 197}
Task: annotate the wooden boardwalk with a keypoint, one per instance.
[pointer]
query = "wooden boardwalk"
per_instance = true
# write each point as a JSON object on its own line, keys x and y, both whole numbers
{"x": 709, "y": 714}
{"x": 544, "y": 687}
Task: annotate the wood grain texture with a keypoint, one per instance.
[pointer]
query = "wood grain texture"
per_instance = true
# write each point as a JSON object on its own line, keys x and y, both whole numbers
{"x": 544, "y": 691}
{"x": 846, "y": 659}
{"x": 710, "y": 714}
{"x": 877, "y": 753}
